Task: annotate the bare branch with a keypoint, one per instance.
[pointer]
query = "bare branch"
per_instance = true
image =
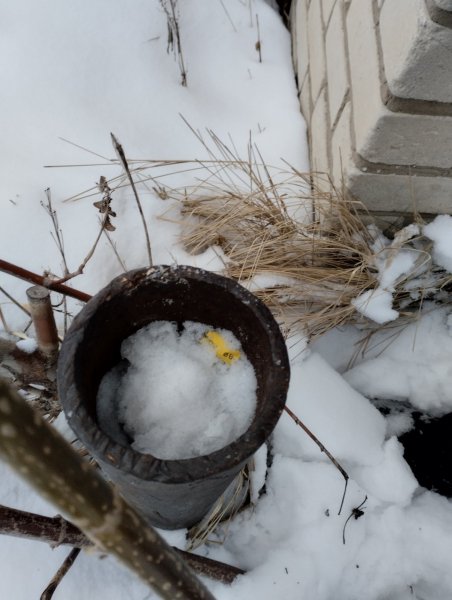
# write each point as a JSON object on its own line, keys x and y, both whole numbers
{"x": 52, "y": 530}
{"x": 31, "y": 277}
{"x": 57, "y": 531}
{"x": 342, "y": 471}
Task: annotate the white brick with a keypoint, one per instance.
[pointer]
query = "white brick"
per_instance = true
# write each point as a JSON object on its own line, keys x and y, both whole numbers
{"x": 305, "y": 98}
{"x": 327, "y": 8}
{"x": 403, "y": 193}
{"x": 363, "y": 57}
{"x": 300, "y": 37}
{"x": 404, "y": 139}
{"x": 417, "y": 52}
{"x": 336, "y": 62}
{"x": 319, "y": 134}
{"x": 341, "y": 147}
{"x": 316, "y": 47}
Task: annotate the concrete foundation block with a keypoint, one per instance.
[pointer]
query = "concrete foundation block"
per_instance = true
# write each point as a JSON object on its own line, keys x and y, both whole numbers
{"x": 404, "y": 139}
{"x": 417, "y": 52}
{"x": 377, "y": 96}
{"x": 401, "y": 193}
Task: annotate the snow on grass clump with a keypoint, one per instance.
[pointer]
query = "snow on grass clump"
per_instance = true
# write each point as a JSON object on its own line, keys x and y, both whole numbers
{"x": 415, "y": 365}
{"x": 440, "y": 232}
{"x": 178, "y": 399}
{"x": 28, "y": 345}
{"x": 394, "y": 263}
{"x": 376, "y": 305}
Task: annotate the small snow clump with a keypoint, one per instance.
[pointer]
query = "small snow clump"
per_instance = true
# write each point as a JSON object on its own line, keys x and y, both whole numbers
{"x": 440, "y": 232}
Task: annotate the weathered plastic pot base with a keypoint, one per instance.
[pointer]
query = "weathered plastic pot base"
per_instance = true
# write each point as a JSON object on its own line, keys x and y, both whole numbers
{"x": 170, "y": 493}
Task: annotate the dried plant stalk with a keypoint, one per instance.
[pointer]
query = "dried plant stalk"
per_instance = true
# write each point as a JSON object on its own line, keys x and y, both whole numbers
{"x": 123, "y": 160}
{"x": 42, "y": 456}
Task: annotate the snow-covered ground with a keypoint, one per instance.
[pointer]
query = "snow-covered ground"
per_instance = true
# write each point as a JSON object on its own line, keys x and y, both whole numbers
{"x": 80, "y": 70}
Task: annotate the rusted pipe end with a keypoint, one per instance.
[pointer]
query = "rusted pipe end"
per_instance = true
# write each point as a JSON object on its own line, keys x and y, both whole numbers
{"x": 43, "y": 320}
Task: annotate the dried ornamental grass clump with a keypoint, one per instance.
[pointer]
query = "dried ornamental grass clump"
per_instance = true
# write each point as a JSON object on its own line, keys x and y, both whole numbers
{"x": 310, "y": 252}
{"x": 308, "y": 270}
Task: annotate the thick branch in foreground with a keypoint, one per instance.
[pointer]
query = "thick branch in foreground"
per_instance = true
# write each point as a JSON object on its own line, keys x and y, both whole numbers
{"x": 48, "y": 463}
{"x": 31, "y": 277}
{"x": 57, "y": 531}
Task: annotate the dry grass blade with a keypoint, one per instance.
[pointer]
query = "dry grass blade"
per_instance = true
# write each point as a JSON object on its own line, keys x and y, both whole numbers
{"x": 225, "y": 507}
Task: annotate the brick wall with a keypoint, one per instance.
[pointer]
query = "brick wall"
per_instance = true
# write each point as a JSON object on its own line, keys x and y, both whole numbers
{"x": 375, "y": 86}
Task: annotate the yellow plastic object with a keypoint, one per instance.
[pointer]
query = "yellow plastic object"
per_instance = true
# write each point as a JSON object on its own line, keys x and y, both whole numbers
{"x": 222, "y": 348}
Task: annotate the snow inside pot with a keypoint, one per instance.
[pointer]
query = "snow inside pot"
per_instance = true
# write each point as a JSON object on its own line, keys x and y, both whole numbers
{"x": 211, "y": 345}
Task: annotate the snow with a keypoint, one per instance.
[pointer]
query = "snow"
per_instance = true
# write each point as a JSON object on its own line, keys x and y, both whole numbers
{"x": 376, "y": 305}
{"x": 80, "y": 70}
{"x": 393, "y": 263}
{"x": 177, "y": 399}
{"x": 27, "y": 345}
{"x": 414, "y": 366}
{"x": 440, "y": 232}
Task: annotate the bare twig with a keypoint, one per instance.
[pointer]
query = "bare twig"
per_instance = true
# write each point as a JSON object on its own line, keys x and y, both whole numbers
{"x": 259, "y": 42}
{"x": 57, "y": 233}
{"x": 356, "y": 512}
{"x": 174, "y": 39}
{"x": 115, "y": 250}
{"x": 342, "y": 471}
{"x": 58, "y": 238}
{"x": 57, "y": 531}
{"x": 122, "y": 157}
{"x": 228, "y": 16}
{"x": 3, "y": 321}
{"x": 87, "y": 258}
{"x": 15, "y": 302}
{"x": 56, "y": 579}
{"x": 31, "y": 277}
